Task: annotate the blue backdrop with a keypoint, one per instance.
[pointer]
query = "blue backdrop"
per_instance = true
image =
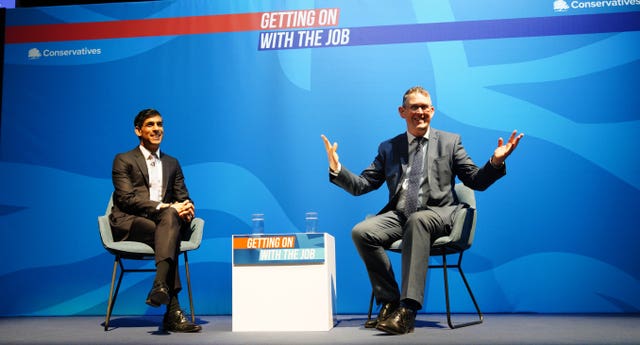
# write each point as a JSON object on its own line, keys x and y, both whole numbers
{"x": 245, "y": 96}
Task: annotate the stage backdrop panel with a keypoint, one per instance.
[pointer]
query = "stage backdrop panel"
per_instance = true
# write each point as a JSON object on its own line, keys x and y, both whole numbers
{"x": 247, "y": 87}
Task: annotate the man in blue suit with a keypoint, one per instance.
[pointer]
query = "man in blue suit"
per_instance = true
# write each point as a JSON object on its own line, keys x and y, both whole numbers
{"x": 421, "y": 204}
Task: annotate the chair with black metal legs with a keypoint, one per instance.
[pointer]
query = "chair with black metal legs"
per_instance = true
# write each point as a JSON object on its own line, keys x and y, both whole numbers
{"x": 131, "y": 250}
{"x": 460, "y": 239}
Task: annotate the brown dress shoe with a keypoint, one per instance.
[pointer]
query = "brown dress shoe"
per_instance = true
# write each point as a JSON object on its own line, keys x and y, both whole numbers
{"x": 159, "y": 294}
{"x": 385, "y": 311}
{"x": 400, "y": 321}
{"x": 177, "y": 322}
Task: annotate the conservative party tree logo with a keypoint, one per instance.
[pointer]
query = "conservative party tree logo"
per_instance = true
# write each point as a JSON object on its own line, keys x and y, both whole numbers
{"x": 560, "y": 6}
{"x": 34, "y": 53}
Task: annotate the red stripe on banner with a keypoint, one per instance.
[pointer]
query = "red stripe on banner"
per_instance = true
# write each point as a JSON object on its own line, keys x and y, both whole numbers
{"x": 169, "y": 26}
{"x": 133, "y": 28}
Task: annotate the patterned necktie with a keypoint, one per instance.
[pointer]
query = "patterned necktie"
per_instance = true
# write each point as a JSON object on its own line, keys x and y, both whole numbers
{"x": 155, "y": 177}
{"x": 415, "y": 174}
{"x": 152, "y": 159}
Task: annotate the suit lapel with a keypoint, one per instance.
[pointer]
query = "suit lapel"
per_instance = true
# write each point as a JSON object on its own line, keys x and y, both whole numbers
{"x": 141, "y": 162}
{"x": 403, "y": 152}
{"x": 432, "y": 152}
{"x": 165, "y": 173}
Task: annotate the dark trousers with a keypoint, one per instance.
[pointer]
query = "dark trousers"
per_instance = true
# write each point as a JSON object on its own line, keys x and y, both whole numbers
{"x": 375, "y": 234}
{"x": 163, "y": 233}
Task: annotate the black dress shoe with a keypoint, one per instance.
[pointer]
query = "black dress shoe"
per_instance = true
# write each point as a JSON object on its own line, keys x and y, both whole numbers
{"x": 400, "y": 321}
{"x": 159, "y": 294}
{"x": 385, "y": 311}
{"x": 177, "y": 322}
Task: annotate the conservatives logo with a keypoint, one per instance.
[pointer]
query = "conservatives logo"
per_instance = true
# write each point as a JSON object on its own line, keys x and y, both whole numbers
{"x": 35, "y": 53}
{"x": 560, "y": 6}
{"x": 563, "y": 6}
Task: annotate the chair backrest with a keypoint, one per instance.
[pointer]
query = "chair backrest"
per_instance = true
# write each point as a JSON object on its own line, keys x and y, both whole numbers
{"x": 465, "y": 194}
{"x": 105, "y": 228}
{"x": 109, "y": 205}
{"x": 464, "y": 224}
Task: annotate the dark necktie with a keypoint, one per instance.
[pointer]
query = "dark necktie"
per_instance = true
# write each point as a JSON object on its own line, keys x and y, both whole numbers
{"x": 415, "y": 174}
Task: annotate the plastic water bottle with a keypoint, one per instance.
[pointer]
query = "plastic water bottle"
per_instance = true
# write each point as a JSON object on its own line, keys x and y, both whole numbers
{"x": 311, "y": 221}
{"x": 257, "y": 221}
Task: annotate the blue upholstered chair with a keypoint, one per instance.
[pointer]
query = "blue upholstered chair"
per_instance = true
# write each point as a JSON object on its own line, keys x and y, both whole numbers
{"x": 130, "y": 250}
{"x": 460, "y": 239}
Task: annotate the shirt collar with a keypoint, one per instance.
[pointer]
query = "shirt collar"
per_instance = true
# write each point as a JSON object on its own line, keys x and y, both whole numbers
{"x": 146, "y": 152}
{"x": 410, "y": 136}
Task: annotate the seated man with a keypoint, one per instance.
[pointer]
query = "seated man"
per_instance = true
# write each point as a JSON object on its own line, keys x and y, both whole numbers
{"x": 419, "y": 167}
{"x": 151, "y": 204}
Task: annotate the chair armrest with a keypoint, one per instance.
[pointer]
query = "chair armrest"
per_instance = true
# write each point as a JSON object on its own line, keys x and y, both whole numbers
{"x": 195, "y": 239}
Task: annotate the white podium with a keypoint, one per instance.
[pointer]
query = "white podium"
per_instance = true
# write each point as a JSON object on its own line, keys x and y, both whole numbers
{"x": 283, "y": 282}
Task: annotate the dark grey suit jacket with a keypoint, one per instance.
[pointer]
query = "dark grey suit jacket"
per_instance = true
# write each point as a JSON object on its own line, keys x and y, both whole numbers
{"x": 446, "y": 158}
{"x": 131, "y": 196}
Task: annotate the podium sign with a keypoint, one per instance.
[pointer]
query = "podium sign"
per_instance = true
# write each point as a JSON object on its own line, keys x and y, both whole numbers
{"x": 283, "y": 282}
{"x": 278, "y": 249}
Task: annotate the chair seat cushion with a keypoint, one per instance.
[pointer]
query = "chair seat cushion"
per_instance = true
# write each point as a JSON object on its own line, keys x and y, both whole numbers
{"x": 143, "y": 248}
{"x": 397, "y": 245}
{"x": 131, "y": 247}
{"x": 442, "y": 240}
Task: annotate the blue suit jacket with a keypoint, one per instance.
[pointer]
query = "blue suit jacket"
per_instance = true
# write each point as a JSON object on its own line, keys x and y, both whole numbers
{"x": 446, "y": 159}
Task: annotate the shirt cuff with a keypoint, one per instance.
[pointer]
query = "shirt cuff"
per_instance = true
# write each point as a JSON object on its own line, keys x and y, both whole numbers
{"x": 337, "y": 171}
{"x": 495, "y": 166}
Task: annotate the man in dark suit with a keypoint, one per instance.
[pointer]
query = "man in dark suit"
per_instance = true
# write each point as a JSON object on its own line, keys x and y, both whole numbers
{"x": 151, "y": 204}
{"x": 419, "y": 167}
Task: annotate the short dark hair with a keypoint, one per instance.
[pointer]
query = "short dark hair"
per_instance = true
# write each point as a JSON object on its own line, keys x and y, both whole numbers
{"x": 415, "y": 89}
{"x": 143, "y": 115}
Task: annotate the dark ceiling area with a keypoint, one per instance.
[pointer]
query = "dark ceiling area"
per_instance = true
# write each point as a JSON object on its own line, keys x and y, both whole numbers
{"x": 40, "y": 3}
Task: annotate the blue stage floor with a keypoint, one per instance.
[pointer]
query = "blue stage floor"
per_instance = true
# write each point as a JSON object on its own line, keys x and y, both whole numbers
{"x": 431, "y": 329}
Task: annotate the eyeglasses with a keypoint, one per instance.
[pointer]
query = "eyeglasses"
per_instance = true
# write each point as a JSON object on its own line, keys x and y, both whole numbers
{"x": 416, "y": 107}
